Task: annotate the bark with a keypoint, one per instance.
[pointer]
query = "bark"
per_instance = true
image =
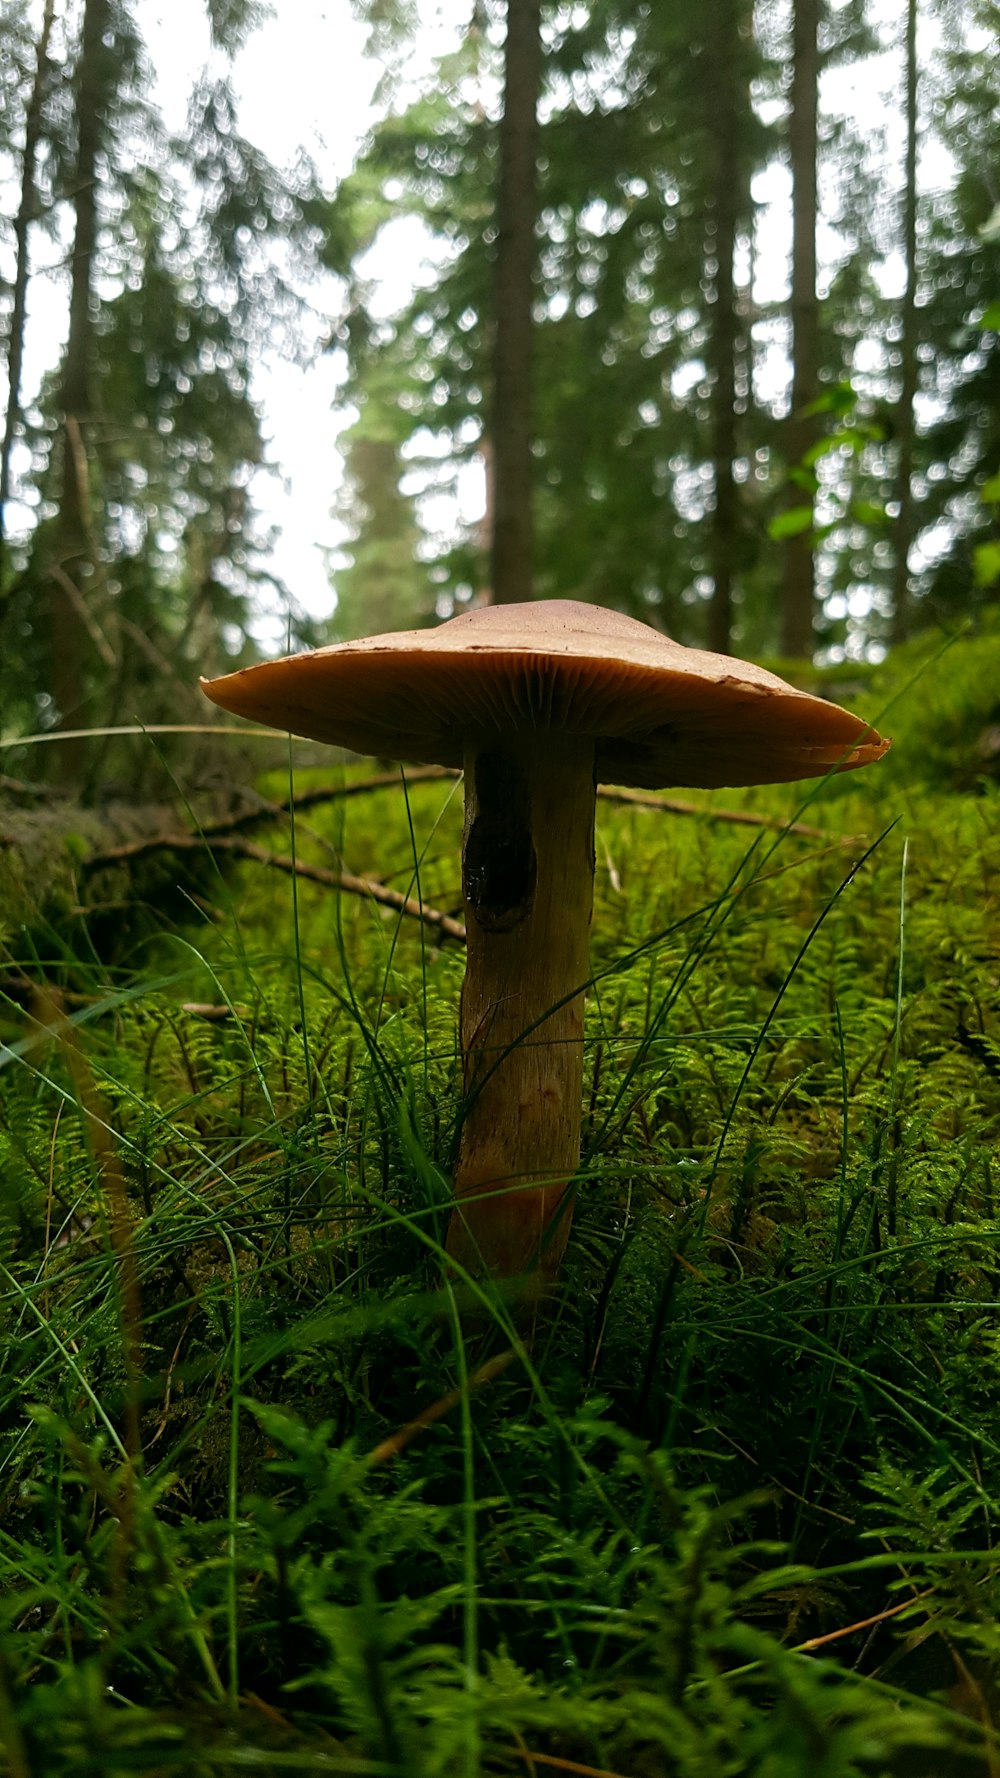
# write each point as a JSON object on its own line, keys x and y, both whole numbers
{"x": 528, "y": 880}
{"x": 26, "y": 212}
{"x": 905, "y": 420}
{"x": 512, "y": 567}
{"x": 725, "y": 215}
{"x": 73, "y": 550}
{"x": 801, "y": 429}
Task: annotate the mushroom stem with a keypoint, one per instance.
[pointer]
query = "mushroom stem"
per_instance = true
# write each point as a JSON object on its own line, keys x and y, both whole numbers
{"x": 528, "y": 880}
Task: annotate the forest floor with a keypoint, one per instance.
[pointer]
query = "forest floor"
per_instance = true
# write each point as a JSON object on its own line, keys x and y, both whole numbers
{"x": 278, "y": 1494}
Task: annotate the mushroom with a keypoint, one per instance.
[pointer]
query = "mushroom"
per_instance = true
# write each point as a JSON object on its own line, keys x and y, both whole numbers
{"x": 537, "y": 703}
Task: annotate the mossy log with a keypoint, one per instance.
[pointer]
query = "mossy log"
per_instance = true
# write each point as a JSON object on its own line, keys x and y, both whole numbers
{"x": 51, "y": 868}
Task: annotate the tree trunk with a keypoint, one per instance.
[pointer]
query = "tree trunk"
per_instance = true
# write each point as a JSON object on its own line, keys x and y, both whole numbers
{"x": 724, "y": 220}
{"x": 512, "y": 552}
{"x": 904, "y": 526}
{"x": 801, "y": 428}
{"x": 26, "y": 212}
{"x": 72, "y": 556}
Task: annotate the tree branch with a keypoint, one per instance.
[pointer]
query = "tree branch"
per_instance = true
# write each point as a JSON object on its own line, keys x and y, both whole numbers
{"x": 313, "y": 873}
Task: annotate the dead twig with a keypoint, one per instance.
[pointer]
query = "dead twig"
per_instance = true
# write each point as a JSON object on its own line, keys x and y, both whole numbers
{"x": 643, "y": 799}
{"x": 313, "y": 873}
{"x": 531, "y": 1758}
{"x": 86, "y": 617}
{"x": 21, "y": 989}
{"x": 864, "y": 1623}
{"x": 265, "y": 810}
{"x": 19, "y": 788}
{"x": 391, "y": 1447}
{"x": 216, "y": 1015}
{"x": 640, "y": 799}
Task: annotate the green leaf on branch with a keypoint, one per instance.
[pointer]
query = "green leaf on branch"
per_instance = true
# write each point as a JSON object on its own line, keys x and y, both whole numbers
{"x": 839, "y": 400}
{"x": 791, "y": 523}
{"x": 986, "y": 564}
{"x": 804, "y": 479}
{"x": 866, "y": 512}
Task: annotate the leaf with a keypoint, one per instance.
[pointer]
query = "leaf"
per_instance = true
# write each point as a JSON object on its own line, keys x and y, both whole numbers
{"x": 791, "y": 523}
{"x": 839, "y": 400}
{"x": 991, "y": 318}
{"x": 865, "y": 512}
{"x": 831, "y": 441}
{"x": 804, "y": 479}
{"x": 991, "y": 488}
{"x": 986, "y": 564}
{"x": 846, "y": 438}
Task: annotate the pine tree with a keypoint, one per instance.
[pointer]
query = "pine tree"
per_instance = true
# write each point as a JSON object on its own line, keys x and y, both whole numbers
{"x": 188, "y": 261}
{"x": 958, "y": 458}
{"x": 512, "y": 403}
{"x": 634, "y": 285}
{"x": 905, "y": 414}
{"x": 801, "y": 429}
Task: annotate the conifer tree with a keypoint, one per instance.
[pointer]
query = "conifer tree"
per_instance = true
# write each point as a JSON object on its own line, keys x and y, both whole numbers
{"x": 188, "y": 256}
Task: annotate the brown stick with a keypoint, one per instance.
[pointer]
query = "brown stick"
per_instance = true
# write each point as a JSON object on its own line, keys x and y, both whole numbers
{"x": 313, "y": 873}
{"x": 641, "y": 799}
{"x": 864, "y": 1623}
{"x": 398, "y": 1441}
{"x": 558, "y": 1764}
{"x": 266, "y": 810}
{"x": 79, "y": 604}
{"x": 326, "y": 793}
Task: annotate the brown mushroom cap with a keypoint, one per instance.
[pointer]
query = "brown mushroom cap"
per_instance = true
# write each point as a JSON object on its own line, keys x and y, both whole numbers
{"x": 660, "y": 714}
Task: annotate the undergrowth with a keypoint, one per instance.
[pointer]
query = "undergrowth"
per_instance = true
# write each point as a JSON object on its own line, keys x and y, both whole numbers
{"x": 279, "y": 1494}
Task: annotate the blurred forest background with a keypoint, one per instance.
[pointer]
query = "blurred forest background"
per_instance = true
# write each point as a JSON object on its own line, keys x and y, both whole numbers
{"x": 788, "y": 454}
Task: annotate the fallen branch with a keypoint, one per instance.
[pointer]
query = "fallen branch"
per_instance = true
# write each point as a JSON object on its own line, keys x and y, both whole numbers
{"x": 23, "y": 991}
{"x": 18, "y": 787}
{"x": 80, "y": 606}
{"x": 398, "y": 1441}
{"x": 641, "y": 799}
{"x": 263, "y": 809}
{"x": 326, "y": 793}
{"x": 313, "y": 873}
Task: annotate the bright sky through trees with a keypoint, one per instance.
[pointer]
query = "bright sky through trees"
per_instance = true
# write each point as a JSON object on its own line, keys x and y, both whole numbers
{"x": 304, "y": 84}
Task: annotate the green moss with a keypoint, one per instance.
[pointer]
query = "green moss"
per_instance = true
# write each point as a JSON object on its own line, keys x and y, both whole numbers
{"x": 775, "y": 1341}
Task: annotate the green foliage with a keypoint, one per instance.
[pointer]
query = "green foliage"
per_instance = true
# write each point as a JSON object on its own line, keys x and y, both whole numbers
{"x": 762, "y": 1409}
{"x": 943, "y": 707}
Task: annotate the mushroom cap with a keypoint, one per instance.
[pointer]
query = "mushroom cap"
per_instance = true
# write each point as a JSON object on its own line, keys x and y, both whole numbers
{"x": 658, "y": 713}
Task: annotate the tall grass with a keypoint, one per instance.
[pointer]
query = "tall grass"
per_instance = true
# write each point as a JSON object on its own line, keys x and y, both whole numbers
{"x": 731, "y": 1511}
